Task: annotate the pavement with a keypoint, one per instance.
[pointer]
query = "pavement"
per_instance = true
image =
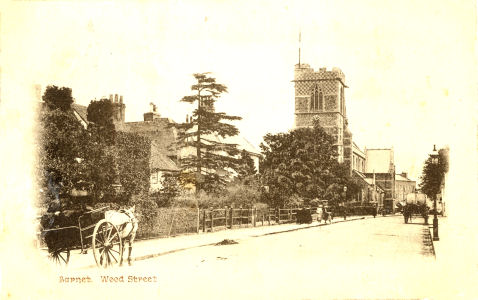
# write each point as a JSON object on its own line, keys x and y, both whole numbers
{"x": 146, "y": 249}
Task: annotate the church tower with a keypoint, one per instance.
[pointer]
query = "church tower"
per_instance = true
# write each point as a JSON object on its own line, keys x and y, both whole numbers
{"x": 320, "y": 95}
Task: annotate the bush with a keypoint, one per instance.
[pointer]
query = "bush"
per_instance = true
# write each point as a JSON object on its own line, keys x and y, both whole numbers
{"x": 240, "y": 195}
{"x": 146, "y": 211}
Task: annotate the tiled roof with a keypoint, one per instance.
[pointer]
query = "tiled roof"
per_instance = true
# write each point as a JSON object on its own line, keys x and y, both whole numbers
{"x": 369, "y": 181}
{"x": 159, "y": 160}
{"x": 241, "y": 142}
{"x": 157, "y": 130}
{"x": 81, "y": 111}
{"x": 162, "y": 138}
{"x": 399, "y": 177}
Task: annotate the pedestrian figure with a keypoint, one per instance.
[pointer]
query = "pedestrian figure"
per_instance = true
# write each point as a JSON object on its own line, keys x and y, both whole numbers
{"x": 374, "y": 211}
{"x": 326, "y": 215}
{"x": 320, "y": 214}
{"x": 406, "y": 213}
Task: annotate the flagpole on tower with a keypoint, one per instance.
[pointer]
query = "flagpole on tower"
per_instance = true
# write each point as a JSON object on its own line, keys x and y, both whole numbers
{"x": 299, "y": 45}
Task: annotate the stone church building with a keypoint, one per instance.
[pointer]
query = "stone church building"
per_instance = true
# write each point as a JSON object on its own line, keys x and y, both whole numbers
{"x": 320, "y": 95}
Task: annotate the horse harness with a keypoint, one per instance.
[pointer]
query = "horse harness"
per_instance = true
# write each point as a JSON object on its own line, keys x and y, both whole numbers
{"x": 132, "y": 220}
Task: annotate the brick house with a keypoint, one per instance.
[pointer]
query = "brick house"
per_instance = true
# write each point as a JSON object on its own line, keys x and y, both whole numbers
{"x": 403, "y": 186}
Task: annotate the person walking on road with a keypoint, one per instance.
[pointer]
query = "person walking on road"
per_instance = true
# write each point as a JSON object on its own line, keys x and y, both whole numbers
{"x": 320, "y": 214}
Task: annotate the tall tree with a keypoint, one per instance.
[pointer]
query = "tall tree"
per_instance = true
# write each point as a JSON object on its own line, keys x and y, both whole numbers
{"x": 56, "y": 97}
{"x": 100, "y": 116}
{"x": 300, "y": 163}
{"x": 247, "y": 167}
{"x": 61, "y": 145}
{"x": 213, "y": 160}
{"x": 433, "y": 174}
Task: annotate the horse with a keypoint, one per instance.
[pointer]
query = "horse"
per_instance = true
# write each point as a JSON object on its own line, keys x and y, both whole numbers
{"x": 127, "y": 225}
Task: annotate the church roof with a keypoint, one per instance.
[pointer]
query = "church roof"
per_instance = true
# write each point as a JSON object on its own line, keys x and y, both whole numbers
{"x": 369, "y": 181}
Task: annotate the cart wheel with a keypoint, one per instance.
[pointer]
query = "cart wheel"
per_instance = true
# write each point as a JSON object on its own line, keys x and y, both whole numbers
{"x": 106, "y": 244}
{"x": 60, "y": 256}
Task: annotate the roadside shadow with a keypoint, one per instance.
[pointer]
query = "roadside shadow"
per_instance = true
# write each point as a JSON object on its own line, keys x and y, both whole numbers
{"x": 415, "y": 223}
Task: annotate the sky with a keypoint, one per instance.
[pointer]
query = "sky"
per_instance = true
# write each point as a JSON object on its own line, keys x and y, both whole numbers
{"x": 410, "y": 65}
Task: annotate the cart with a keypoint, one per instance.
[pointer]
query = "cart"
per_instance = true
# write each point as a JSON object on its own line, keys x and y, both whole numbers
{"x": 411, "y": 209}
{"x": 65, "y": 231}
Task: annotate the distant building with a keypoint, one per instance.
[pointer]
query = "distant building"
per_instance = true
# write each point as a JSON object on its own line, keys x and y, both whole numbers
{"x": 370, "y": 191}
{"x": 403, "y": 186}
{"x": 358, "y": 159}
{"x": 380, "y": 166}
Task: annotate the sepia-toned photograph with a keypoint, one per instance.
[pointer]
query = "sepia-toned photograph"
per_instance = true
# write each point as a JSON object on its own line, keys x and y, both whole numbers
{"x": 238, "y": 149}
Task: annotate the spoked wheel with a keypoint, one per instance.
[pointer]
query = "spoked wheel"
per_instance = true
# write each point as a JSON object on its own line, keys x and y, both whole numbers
{"x": 106, "y": 244}
{"x": 60, "y": 257}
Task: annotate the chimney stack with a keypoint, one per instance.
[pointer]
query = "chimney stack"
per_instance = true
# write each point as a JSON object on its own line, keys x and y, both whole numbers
{"x": 116, "y": 98}
{"x": 121, "y": 99}
{"x": 187, "y": 118}
{"x": 111, "y": 98}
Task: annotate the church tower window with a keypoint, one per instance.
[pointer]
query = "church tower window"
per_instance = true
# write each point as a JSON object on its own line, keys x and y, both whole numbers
{"x": 342, "y": 99}
{"x": 321, "y": 101}
{"x": 317, "y": 100}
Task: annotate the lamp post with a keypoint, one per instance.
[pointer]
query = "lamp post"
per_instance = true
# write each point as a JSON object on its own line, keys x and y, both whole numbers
{"x": 435, "y": 160}
{"x": 345, "y": 208}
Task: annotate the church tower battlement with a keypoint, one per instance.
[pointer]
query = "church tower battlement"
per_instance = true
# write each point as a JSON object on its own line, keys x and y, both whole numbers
{"x": 320, "y": 95}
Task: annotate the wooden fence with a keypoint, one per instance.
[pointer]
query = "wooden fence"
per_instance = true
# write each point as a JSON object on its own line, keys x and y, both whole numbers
{"x": 228, "y": 218}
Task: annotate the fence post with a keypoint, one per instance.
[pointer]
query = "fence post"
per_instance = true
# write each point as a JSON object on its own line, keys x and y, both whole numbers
{"x": 212, "y": 221}
{"x": 240, "y": 214}
{"x": 204, "y": 220}
{"x": 269, "y": 215}
{"x": 262, "y": 218}
{"x": 225, "y": 217}
{"x": 278, "y": 215}
{"x": 231, "y": 217}
{"x": 254, "y": 216}
{"x": 197, "y": 223}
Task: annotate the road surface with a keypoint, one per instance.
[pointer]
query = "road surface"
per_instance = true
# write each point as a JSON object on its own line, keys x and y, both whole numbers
{"x": 379, "y": 257}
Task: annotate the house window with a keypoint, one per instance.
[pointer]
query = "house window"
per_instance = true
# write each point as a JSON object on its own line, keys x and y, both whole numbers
{"x": 154, "y": 177}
